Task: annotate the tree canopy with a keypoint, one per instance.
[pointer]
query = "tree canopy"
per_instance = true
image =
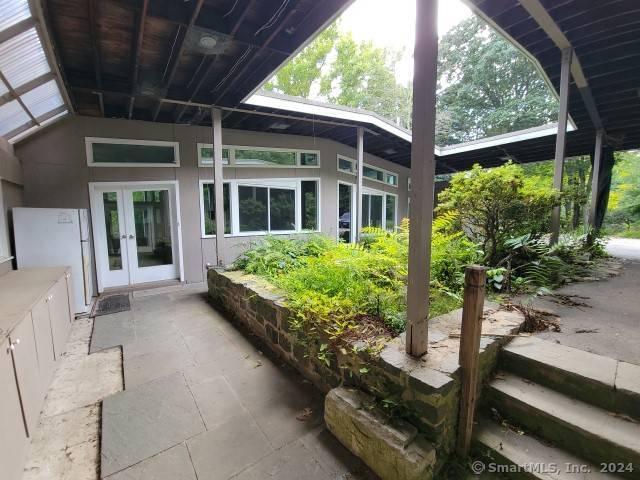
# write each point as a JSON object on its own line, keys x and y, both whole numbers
{"x": 485, "y": 85}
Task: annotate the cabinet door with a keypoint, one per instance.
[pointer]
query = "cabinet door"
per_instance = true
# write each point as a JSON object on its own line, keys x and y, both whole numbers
{"x": 25, "y": 362}
{"x": 44, "y": 342}
{"x": 13, "y": 436}
{"x": 59, "y": 315}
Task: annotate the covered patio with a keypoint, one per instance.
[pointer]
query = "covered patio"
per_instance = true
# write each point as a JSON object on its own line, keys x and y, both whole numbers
{"x": 144, "y": 116}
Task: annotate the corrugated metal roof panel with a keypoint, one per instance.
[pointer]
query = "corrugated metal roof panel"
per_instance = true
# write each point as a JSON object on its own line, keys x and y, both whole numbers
{"x": 43, "y": 99}
{"x": 22, "y": 58}
{"x": 12, "y": 116}
{"x": 13, "y": 11}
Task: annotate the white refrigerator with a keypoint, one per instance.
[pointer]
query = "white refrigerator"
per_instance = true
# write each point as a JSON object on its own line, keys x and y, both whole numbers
{"x": 51, "y": 237}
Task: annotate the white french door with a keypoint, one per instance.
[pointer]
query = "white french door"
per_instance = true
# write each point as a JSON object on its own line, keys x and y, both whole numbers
{"x": 135, "y": 233}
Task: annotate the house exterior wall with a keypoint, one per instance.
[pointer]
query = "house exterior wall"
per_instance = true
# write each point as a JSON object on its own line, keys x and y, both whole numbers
{"x": 56, "y": 174}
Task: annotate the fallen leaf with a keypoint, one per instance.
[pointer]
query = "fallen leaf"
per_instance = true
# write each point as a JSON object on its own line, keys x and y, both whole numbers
{"x": 304, "y": 415}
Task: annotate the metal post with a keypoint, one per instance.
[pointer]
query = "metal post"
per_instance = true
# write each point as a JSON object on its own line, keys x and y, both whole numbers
{"x": 358, "y": 221}
{"x": 216, "y": 121}
{"x": 423, "y": 164}
{"x": 561, "y": 138}
{"x": 595, "y": 178}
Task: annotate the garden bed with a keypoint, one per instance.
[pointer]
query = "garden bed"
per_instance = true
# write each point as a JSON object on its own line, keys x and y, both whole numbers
{"x": 423, "y": 392}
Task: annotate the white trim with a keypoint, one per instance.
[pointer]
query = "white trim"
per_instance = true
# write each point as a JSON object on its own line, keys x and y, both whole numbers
{"x": 176, "y": 222}
{"x": 293, "y": 183}
{"x": 352, "y": 207}
{"x": 348, "y": 159}
{"x": 383, "y": 194}
{"x": 231, "y": 161}
{"x": 89, "y": 141}
{"x": 384, "y": 171}
{"x": 327, "y": 111}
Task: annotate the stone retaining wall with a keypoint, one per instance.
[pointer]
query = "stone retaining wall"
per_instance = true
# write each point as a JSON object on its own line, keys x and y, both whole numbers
{"x": 425, "y": 391}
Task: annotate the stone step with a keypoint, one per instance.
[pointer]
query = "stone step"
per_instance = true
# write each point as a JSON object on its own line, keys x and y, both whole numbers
{"x": 392, "y": 448}
{"x": 601, "y": 381}
{"x": 580, "y": 428}
{"x": 503, "y": 451}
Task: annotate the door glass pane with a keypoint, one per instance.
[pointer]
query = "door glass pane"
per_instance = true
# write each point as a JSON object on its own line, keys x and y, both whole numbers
{"x": 344, "y": 212}
{"x": 252, "y": 209}
{"x": 283, "y": 209}
{"x": 366, "y": 210}
{"x": 376, "y": 211}
{"x": 209, "y": 201}
{"x": 390, "y": 212}
{"x": 309, "y": 204}
{"x": 112, "y": 226}
{"x": 152, "y": 217}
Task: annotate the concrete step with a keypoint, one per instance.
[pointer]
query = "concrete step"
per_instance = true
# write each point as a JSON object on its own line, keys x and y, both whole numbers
{"x": 601, "y": 381}
{"x": 503, "y": 451}
{"x": 580, "y": 428}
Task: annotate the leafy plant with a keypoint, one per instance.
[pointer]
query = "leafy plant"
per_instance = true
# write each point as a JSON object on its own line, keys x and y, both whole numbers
{"x": 494, "y": 205}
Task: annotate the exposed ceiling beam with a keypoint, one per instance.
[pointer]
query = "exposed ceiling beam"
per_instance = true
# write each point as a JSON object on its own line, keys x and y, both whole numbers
{"x": 95, "y": 47}
{"x": 176, "y": 61}
{"x": 539, "y": 13}
{"x": 207, "y": 72}
{"x": 136, "y": 54}
{"x": 15, "y": 95}
{"x": 24, "y": 88}
{"x": 264, "y": 45}
{"x": 17, "y": 29}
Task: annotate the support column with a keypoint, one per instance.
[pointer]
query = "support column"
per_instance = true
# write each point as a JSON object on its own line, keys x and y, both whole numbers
{"x": 595, "y": 178}
{"x": 561, "y": 138}
{"x": 216, "y": 121}
{"x": 358, "y": 222}
{"x": 422, "y": 175}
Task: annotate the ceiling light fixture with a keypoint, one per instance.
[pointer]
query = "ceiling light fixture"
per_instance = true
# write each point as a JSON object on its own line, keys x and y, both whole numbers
{"x": 207, "y": 42}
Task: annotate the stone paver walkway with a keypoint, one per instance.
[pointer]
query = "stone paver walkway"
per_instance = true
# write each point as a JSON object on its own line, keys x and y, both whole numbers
{"x": 200, "y": 401}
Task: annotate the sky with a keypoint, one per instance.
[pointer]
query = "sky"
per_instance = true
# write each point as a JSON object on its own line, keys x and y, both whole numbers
{"x": 373, "y": 20}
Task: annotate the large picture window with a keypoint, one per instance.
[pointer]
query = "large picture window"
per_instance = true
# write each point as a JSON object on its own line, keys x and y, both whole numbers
{"x": 237, "y": 156}
{"x": 257, "y": 207}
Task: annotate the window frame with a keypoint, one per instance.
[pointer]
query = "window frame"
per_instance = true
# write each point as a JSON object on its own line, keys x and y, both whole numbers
{"x": 372, "y": 191}
{"x": 232, "y": 156}
{"x": 269, "y": 183}
{"x": 354, "y": 162}
{"x": 90, "y": 141}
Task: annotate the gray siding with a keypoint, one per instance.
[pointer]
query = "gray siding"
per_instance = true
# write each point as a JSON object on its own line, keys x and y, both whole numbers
{"x": 56, "y": 174}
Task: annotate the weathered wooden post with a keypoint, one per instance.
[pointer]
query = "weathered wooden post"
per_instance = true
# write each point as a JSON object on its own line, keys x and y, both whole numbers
{"x": 474, "y": 286}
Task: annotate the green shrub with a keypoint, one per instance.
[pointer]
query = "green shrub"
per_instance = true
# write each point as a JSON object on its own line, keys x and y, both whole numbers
{"x": 493, "y": 205}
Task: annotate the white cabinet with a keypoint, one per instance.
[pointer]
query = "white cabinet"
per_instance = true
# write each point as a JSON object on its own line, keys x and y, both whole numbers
{"x": 35, "y": 320}
{"x": 13, "y": 437}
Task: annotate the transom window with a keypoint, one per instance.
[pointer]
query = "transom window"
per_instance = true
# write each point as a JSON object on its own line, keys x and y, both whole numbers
{"x": 258, "y": 207}
{"x": 120, "y": 152}
{"x": 349, "y": 165}
{"x": 238, "y": 156}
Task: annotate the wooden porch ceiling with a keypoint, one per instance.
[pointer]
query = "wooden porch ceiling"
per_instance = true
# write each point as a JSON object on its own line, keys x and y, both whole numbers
{"x": 121, "y": 57}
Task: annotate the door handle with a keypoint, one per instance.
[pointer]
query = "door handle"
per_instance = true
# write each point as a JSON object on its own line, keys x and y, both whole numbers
{"x": 123, "y": 236}
{"x": 132, "y": 236}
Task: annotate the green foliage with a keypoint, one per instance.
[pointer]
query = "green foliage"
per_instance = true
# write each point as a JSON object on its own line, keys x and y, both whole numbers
{"x": 486, "y": 86}
{"x": 333, "y": 287}
{"x": 493, "y": 205}
{"x": 623, "y": 216}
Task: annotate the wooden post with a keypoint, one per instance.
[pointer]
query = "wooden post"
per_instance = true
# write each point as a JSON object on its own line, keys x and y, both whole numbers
{"x": 216, "y": 121}
{"x": 561, "y": 138}
{"x": 595, "y": 178}
{"x": 423, "y": 169}
{"x": 472, "y": 310}
{"x": 357, "y": 224}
